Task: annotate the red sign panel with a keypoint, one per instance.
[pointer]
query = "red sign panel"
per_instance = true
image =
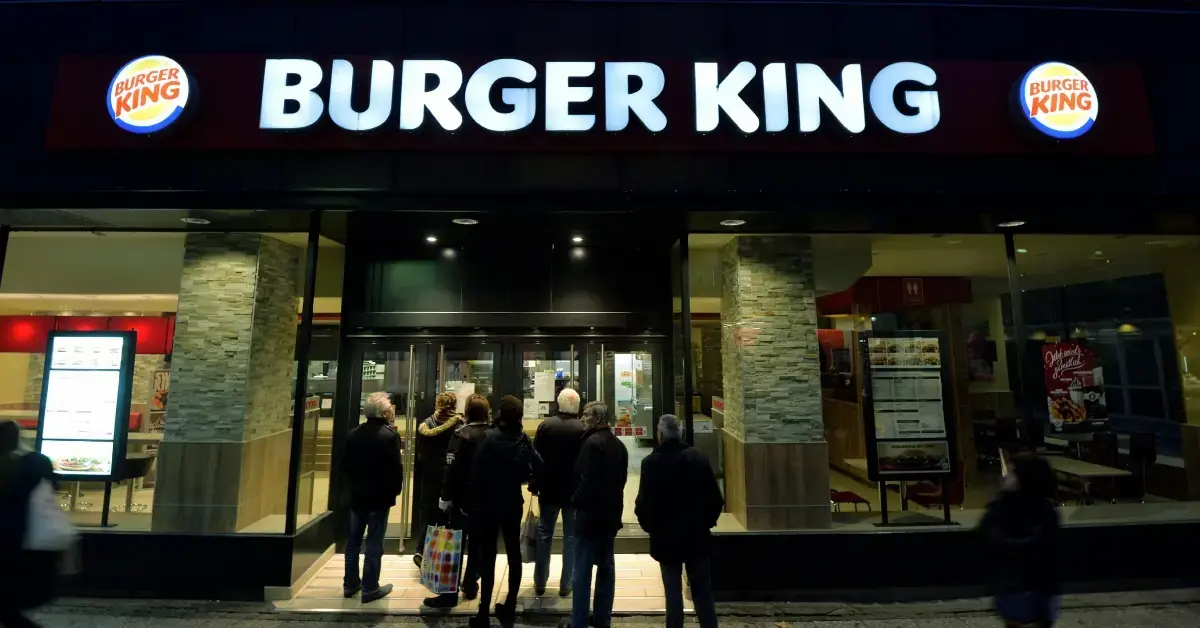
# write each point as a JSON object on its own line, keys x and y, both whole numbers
{"x": 913, "y": 289}
{"x": 1074, "y": 387}
{"x": 978, "y": 113}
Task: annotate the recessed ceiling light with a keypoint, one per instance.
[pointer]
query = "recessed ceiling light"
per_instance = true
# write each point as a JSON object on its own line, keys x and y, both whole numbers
{"x": 577, "y": 239}
{"x": 431, "y": 239}
{"x": 1010, "y": 224}
{"x": 196, "y": 221}
{"x": 733, "y": 222}
{"x": 1022, "y": 250}
{"x": 953, "y": 241}
{"x": 465, "y": 221}
{"x": 1098, "y": 253}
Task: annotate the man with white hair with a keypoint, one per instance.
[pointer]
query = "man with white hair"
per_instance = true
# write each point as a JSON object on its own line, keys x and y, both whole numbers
{"x": 372, "y": 463}
{"x": 557, "y": 440}
{"x": 678, "y": 503}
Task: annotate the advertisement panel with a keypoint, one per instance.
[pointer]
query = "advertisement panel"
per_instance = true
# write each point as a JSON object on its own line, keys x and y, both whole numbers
{"x": 1074, "y": 387}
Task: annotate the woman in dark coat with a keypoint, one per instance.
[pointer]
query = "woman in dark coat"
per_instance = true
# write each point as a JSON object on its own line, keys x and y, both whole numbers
{"x": 433, "y": 439}
{"x": 1020, "y": 530}
{"x": 27, "y": 579}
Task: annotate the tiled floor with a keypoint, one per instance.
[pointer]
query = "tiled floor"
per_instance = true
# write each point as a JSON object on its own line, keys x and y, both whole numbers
{"x": 639, "y": 589}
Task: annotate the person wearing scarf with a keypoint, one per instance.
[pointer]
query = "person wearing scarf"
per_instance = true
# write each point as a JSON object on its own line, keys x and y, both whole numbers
{"x": 433, "y": 438}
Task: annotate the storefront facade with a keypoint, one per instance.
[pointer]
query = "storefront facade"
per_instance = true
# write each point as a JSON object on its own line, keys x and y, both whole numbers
{"x": 701, "y": 209}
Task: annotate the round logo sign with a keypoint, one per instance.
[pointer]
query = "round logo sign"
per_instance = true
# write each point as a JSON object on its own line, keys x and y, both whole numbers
{"x": 148, "y": 94}
{"x": 1059, "y": 100}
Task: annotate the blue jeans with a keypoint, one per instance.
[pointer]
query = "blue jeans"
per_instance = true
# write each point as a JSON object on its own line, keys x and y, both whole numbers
{"x": 598, "y": 551}
{"x": 547, "y": 518}
{"x": 372, "y": 524}
{"x": 702, "y": 592}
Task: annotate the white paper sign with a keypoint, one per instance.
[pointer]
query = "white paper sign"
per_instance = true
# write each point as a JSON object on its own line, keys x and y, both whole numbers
{"x": 543, "y": 409}
{"x": 543, "y": 386}
{"x": 531, "y": 408}
{"x": 461, "y": 390}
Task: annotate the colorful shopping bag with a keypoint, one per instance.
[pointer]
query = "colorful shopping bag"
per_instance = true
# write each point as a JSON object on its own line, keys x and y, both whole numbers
{"x": 442, "y": 560}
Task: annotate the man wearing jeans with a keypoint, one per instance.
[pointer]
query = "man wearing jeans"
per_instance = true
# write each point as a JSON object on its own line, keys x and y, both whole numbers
{"x": 598, "y": 499}
{"x": 372, "y": 463}
{"x": 557, "y": 441}
{"x": 678, "y": 503}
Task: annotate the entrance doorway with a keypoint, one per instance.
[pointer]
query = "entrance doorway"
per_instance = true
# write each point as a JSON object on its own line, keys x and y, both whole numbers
{"x": 626, "y": 374}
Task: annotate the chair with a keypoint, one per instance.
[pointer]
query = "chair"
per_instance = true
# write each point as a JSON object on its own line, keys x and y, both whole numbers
{"x": 837, "y": 498}
{"x": 137, "y": 466}
{"x": 1142, "y": 454}
{"x": 934, "y": 499}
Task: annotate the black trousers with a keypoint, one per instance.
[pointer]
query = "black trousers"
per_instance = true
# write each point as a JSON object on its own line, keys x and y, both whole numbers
{"x": 488, "y": 527}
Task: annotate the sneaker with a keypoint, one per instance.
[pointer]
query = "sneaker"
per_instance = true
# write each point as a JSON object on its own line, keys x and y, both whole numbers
{"x": 470, "y": 591}
{"x": 445, "y": 600}
{"x": 351, "y": 592}
{"x": 539, "y": 590}
{"x": 417, "y": 560}
{"x": 565, "y": 591}
{"x": 377, "y": 594}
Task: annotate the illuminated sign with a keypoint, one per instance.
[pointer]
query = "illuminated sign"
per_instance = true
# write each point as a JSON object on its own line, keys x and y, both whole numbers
{"x": 290, "y": 98}
{"x": 1058, "y": 100}
{"x": 148, "y": 94}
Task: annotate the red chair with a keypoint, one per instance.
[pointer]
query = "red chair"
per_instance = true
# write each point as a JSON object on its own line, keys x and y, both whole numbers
{"x": 837, "y": 498}
{"x": 934, "y": 499}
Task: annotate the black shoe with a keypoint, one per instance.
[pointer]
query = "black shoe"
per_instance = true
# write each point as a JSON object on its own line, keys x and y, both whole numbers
{"x": 539, "y": 591}
{"x": 417, "y": 560}
{"x": 445, "y": 600}
{"x": 377, "y": 594}
{"x": 470, "y": 591}
{"x": 478, "y": 622}
{"x": 349, "y": 593}
{"x": 506, "y": 613}
{"x": 565, "y": 591}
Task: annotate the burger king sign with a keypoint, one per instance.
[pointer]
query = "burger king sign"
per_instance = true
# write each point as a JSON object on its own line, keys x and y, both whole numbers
{"x": 148, "y": 94}
{"x": 1058, "y": 100}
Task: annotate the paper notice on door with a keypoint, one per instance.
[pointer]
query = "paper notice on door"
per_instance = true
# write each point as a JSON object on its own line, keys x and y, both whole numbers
{"x": 461, "y": 390}
{"x": 543, "y": 409}
{"x": 532, "y": 408}
{"x": 543, "y": 386}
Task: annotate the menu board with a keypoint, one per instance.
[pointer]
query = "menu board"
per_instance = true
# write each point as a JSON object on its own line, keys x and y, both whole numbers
{"x": 907, "y": 405}
{"x": 85, "y": 402}
{"x": 1074, "y": 387}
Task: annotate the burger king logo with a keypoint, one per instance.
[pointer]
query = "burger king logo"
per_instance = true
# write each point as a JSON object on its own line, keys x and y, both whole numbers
{"x": 148, "y": 94}
{"x": 1059, "y": 100}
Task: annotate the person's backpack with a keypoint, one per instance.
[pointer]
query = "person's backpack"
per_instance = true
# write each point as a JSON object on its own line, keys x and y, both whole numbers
{"x": 47, "y": 529}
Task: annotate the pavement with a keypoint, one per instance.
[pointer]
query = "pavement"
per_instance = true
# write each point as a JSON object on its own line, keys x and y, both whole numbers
{"x": 1174, "y": 608}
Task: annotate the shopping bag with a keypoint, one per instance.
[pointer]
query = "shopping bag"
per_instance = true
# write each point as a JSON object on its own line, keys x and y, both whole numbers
{"x": 47, "y": 528}
{"x": 442, "y": 560}
{"x": 529, "y": 536}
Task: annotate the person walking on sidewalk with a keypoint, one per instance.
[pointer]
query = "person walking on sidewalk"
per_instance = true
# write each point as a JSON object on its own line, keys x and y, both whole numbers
{"x": 504, "y": 461}
{"x": 1020, "y": 532}
{"x": 455, "y": 488}
{"x": 678, "y": 503}
{"x": 558, "y": 440}
{"x": 28, "y": 579}
{"x": 433, "y": 439}
{"x": 599, "y": 498}
{"x": 372, "y": 463}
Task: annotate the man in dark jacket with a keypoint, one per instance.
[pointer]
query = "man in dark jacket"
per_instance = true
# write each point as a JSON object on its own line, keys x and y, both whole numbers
{"x": 455, "y": 488}
{"x": 599, "y": 498}
{"x": 372, "y": 462}
{"x": 678, "y": 503}
{"x": 557, "y": 440}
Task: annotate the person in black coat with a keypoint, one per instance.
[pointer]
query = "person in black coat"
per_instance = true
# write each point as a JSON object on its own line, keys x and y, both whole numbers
{"x": 1020, "y": 534}
{"x": 460, "y": 457}
{"x": 433, "y": 439}
{"x": 505, "y": 460}
{"x": 372, "y": 464}
{"x": 558, "y": 440}
{"x": 599, "y": 499}
{"x": 28, "y": 579}
{"x": 678, "y": 503}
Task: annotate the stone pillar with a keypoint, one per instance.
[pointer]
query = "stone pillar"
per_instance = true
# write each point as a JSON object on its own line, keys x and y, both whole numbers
{"x": 223, "y": 462}
{"x": 777, "y": 460}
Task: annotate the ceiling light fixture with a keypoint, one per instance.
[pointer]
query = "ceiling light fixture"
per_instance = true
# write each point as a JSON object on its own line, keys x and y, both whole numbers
{"x": 465, "y": 221}
{"x": 196, "y": 221}
{"x": 733, "y": 222}
{"x": 1022, "y": 250}
{"x": 577, "y": 239}
{"x": 431, "y": 239}
{"x": 1011, "y": 224}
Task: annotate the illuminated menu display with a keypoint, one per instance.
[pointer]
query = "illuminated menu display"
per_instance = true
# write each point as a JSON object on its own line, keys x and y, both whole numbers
{"x": 82, "y": 424}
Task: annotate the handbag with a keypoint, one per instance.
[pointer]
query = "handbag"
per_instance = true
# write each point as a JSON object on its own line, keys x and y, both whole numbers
{"x": 47, "y": 528}
{"x": 529, "y": 536}
{"x": 442, "y": 561}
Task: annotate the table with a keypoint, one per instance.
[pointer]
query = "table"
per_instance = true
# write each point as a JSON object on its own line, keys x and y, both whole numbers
{"x": 1085, "y": 471}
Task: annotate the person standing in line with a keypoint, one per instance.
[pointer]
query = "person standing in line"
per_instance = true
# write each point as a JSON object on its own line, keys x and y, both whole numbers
{"x": 599, "y": 498}
{"x": 678, "y": 503}
{"x": 558, "y": 440}
{"x": 372, "y": 463}
{"x": 455, "y": 488}
{"x": 433, "y": 439}
{"x": 1020, "y": 532}
{"x": 505, "y": 460}
{"x": 28, "y": 579}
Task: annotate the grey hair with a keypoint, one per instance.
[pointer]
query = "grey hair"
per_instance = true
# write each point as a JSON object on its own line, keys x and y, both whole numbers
{"x": 669, "y": 427}
{"x": 568, "y": 401}
{"x": 376, "y": 404}
{"x": 595, "y": 409}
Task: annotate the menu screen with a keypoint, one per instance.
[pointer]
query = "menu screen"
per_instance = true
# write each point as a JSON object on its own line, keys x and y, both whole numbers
{"x": 81, "y": 422}
{"x": 908, "y": 405}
